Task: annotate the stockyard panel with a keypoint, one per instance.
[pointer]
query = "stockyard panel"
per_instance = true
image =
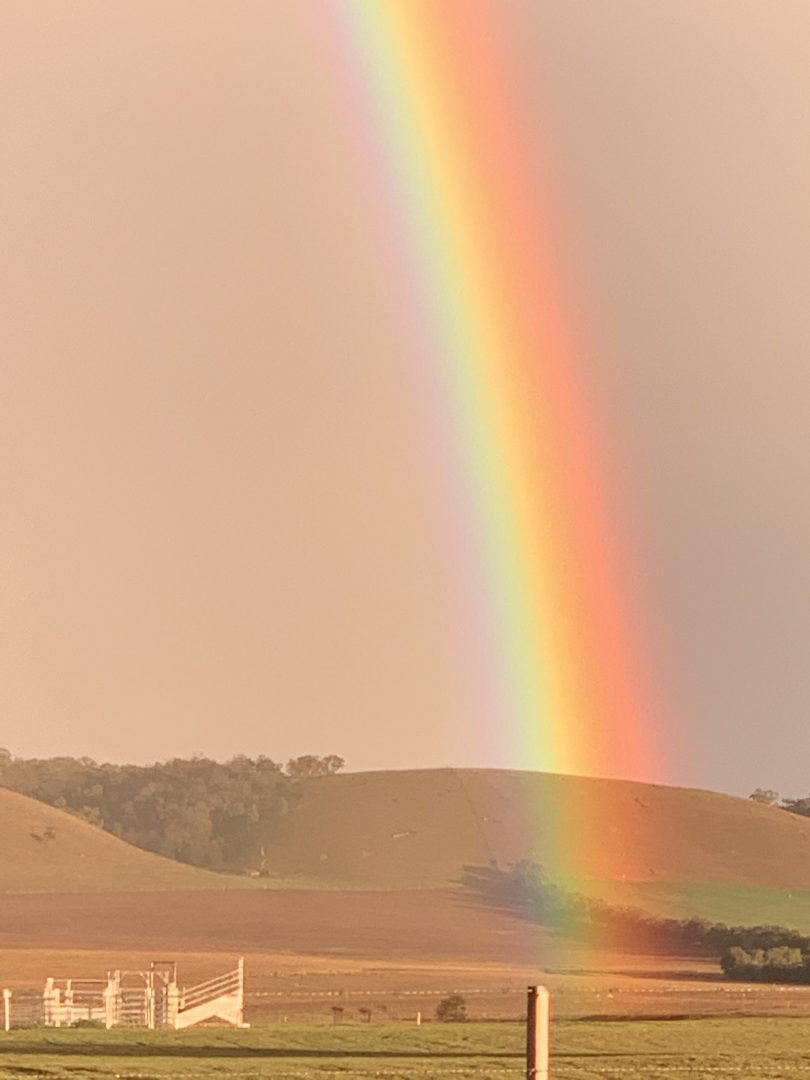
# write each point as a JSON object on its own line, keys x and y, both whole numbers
{"x": 150, "y": 998}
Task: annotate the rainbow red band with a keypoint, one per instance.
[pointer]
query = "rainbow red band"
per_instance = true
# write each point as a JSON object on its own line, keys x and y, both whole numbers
{"x": 469, "y": 218}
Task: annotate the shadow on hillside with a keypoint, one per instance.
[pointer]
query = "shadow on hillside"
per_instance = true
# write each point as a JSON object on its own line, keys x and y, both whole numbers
{"x": 582, "y": 921}
{"x": 486, "y": 887}
{"x": 660, "y": 974}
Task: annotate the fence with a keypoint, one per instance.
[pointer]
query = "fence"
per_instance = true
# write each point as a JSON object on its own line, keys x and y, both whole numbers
{"x": 149, "y": 999}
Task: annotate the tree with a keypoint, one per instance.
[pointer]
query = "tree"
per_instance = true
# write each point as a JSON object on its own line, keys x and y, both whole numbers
{"x": 311, "y": 765}
{"x": 332, "y": 764}
{"x": 216, "y": 814}
{"x": 798, "y": 806}
{"x": 735, "y": 961}
{"x": 765, "y": 796}
{"x": 783, "y": 959}
{"x": 779, "y": 964}
{"x": 452, "y": 1009}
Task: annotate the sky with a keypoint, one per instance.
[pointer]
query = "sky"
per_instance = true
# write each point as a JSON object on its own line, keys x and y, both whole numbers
{"x": 218, "y": 521}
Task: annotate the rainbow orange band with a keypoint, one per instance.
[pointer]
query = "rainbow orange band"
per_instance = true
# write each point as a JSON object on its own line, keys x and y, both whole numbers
{"x": 469, "y": 221}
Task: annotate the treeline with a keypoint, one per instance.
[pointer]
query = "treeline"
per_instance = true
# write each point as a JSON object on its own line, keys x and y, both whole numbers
{"x": 765, "y": 949}
{"x": 800, "y": 806}
{"x": 208, "y": 813}
{"x": 780, "y": 964}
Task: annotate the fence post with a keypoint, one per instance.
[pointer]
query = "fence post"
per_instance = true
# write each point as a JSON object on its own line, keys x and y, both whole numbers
{"x": 240, "y": 1014}
{"x": 47, "y": 1003}
{"x": 109, "y": 1002}
{"x": 172, "y": 1004}
{"x": 7, "y": 1010}
{"x": 537, "y": 1016}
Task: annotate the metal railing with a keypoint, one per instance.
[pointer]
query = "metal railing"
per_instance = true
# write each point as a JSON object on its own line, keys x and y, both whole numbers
{"x": 230, "y": 983}
{"x": 153, "y": 1001}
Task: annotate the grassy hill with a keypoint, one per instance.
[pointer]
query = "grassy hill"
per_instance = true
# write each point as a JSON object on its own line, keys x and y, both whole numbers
{"x": 420, "y": 828}
{"x": 672, "y": 851}
{"x": 47, "y": 850}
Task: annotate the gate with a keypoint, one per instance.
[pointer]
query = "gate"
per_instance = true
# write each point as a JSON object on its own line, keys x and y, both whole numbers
{"x": 148, "y": 999}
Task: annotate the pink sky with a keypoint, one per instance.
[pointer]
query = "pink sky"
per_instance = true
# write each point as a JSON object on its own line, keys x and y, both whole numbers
{"x": 219, "y": 530}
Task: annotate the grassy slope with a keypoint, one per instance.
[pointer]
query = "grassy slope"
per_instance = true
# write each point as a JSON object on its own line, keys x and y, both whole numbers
{"x": 420, "y": 828}
{"x": 672, "y": 851}
{"x": 668, "y": 850}
{"x": 47, "y": 850}
{"x": 739, "y": 905}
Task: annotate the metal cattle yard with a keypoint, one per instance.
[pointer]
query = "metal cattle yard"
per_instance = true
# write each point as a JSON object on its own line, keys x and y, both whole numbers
{"x": 149, "y": 999}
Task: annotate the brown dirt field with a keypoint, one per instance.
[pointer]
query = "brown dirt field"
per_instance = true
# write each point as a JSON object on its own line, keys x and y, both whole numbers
{"x": 396, "y": 953}
{"x": 440, "y": 923}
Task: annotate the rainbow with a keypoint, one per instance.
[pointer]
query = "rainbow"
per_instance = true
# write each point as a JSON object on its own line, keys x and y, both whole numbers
{"x": 466, "y": 221}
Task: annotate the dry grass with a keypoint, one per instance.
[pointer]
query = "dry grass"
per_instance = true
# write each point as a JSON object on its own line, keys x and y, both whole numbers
{"x": 702, "y": 1050}
{"x": 667, "y": 850}
{"x": 405, "y": 829}
{"x": 394, "y": 950}
{"x": 47, "y": 850}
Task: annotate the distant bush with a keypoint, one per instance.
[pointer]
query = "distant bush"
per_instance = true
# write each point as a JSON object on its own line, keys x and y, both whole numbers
{"x": 452, "y": 1009}
{"x": 765, "y": 796}
{"x": 310, "y": 765}
{"x": 800, "y": 806}
{"x": 780, "y": 964}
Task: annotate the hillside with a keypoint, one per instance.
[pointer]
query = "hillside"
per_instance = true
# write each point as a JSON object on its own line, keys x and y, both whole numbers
{"x": 47, "y": 850}
{"x": 421, "y": 828}
{"x": 671, "y": 851}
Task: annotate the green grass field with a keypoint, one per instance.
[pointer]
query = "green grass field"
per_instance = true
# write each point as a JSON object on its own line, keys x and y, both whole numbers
{"x": 741, "y": 905}
{"x": 763, "y": 1049}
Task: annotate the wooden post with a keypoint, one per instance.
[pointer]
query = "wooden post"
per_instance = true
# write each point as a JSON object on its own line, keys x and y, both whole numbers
{"x": 172, "y": 1004}
{"x": 51, "y": 1005}
{"x": 537, "y": 1015}
{"x": 7, "y": 1010}
{"x": 110, "y": 1001}
{"x": 240, "y": 967}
